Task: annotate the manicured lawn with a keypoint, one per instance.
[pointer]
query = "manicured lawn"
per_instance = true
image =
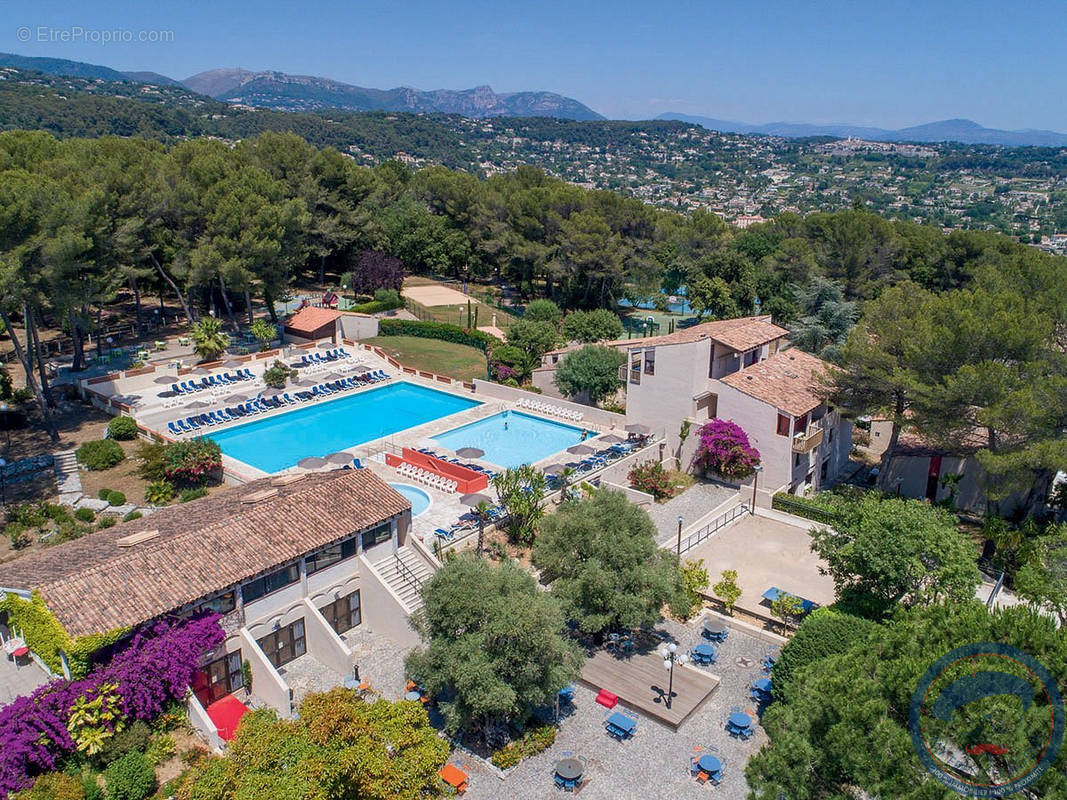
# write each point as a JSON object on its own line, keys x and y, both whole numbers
{"x": 445, "y": 358}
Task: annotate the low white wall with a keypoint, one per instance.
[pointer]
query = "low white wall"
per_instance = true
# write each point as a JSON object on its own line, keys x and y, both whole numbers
{"x": 591, "y": 414}
{"x": 267, "y": 685}
{"x": 323, "y": 641}
{"x": 638, "y": 498}
{"x": 382, "y": 611}
{"x": 202, "y": 723}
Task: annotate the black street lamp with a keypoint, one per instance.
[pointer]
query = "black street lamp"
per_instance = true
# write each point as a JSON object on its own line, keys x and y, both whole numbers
{"x": 3, "y": 481}
{"x": 679, "y": 540}
{"x": 671, "y": 656}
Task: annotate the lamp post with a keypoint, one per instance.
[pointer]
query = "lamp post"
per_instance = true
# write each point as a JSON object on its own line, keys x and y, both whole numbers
{"x": 679, "y": 539}
{"x": 3, "y": 481}
{"x": 671, "y": 656}
{"x": 900, "y": 482}
{"x": 755, "y": 481}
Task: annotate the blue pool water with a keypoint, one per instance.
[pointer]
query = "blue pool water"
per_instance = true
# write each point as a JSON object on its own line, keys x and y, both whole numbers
{"x": 512, "y": 438}
{"x": 277, "y": 442}
{"x": 420, "y": 501}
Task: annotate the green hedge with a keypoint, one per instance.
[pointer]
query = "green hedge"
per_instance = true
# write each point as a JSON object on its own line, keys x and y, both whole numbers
{"x": 807, "y": 507}
{"x": 46, "y": 637}
{"x": 122, "y": 428}
{"x": 437, "y": 330}
{"x": 99, "y": 454}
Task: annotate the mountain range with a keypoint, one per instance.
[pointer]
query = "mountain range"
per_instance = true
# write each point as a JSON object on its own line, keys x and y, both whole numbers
{"x": 284, "y": 92}
{"x": 949, "y": 130}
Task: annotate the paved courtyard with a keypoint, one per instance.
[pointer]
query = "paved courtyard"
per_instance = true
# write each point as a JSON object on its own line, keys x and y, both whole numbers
{"x": 655, "y": 763}
{"x": 18, "y": 680}
{"x": 766, "y": 552}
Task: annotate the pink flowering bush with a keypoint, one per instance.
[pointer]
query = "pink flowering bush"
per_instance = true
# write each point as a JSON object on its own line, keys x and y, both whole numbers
{"x": 724, "y": 448}
{"x": 651, "y": 478}
{"x": 152, "y": 668}
{"x": 192, "y": 462}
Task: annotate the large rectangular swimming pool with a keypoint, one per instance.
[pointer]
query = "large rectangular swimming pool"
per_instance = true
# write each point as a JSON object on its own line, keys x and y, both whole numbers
{"x": 512, "y": 438}
{"x": 278, "y": 442}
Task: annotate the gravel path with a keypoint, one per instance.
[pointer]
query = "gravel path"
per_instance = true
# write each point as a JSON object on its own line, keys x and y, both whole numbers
{"x": 690, "y": 505}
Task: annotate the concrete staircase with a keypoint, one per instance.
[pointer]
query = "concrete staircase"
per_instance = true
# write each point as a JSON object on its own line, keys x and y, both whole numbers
{"x": 406, "y": 577}
{"x": 68, "y": 479}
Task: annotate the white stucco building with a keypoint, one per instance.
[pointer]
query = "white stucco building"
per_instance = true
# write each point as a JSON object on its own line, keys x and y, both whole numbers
{"x": 739, "y": 369}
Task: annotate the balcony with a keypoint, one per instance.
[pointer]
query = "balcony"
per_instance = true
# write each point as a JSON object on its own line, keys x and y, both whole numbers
{"x": 807, "y": 441}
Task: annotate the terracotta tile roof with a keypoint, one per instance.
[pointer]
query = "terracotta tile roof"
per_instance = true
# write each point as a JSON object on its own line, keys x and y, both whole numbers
{"x": 913, "y": 443}
{"x": 789, "y": 380}
{"x": 94, "y": 584}
{"x": 310, "y": 319}
{"x": 742, "y": 333}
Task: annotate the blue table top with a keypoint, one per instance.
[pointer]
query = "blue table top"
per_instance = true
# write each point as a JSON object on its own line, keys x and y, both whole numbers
{"x": 739, "y": 720}
{"x": 704, "y": 650}
{"x": 622, "y": 721}
{"x": 709, "y": 763}
{"x": 773, "y": 593}
{"x": 763, "y": 684}
{"x": 413, "y": 695}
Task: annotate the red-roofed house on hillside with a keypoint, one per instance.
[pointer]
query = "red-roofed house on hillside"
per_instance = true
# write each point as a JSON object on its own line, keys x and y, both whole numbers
{"x": 737, "y": 369}
{"x": 311, "y": 324}
{"x": 298, "y": 566}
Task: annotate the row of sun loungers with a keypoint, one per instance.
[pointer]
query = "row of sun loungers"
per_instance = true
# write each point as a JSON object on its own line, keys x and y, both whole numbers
{"x": 548, "y": 408}
{"x": 599, "y": 459}
{"x": 329, "y": 356}
{"x": 260, "y": 405}
{"x": 469, "y": 522}
{"x": 465, "y": 464}
{"x": 432, "y": 479}
{"x": 212, "y": 382}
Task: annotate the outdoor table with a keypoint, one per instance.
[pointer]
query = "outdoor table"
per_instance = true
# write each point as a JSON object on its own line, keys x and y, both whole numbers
{"x": 622, "y": 723}
{"x": 740, "y": 720}
{"x": 709, "y": 764}
{"x": 413, "y": 695}
{"x": 713, "y": 627}
{"x": 705, "y": 650}
{"x": 570, "y": 769}
{"x": 13, "y": 644}
{"x": 762, "y": 685}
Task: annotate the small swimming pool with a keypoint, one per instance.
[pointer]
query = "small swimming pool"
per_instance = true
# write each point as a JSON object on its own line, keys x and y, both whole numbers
{"x": 318, "y": 429}
{"x": 420, "y": 501}
{"x": 511, "y": 438}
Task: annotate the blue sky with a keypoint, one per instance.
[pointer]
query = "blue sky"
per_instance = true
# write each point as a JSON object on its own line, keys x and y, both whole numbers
{"x": 891, "y": 63}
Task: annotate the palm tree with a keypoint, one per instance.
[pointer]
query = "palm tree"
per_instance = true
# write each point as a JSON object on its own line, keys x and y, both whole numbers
{"x": 483, "y": 509}
{"x": 209, "y": 342}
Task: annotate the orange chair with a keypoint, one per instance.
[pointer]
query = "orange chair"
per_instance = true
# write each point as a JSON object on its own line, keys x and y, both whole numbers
{"x": 411, "y": 686}
{"x": 454, "y": 777}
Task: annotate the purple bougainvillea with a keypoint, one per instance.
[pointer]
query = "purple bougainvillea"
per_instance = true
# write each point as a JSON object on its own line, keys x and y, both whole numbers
{"x": 152, "y": 668}
{"x": 724, "y": 448}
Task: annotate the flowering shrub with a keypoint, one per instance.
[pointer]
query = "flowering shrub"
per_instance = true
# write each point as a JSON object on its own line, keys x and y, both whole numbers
{"x": 154, "y": 667}
{"x": 724, "y": 448}
{"x": 652, "y": 478}
{"x": 503, "y": 372}
{"x": 192, "y": 461}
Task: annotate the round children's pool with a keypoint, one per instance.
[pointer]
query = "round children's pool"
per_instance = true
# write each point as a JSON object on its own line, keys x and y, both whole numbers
{"x": 420, "y": 501}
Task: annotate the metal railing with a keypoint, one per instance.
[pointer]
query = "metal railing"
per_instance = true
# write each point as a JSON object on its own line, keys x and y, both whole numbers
{"x": 405, "y": 572}
{"x": 717, "y": 524}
